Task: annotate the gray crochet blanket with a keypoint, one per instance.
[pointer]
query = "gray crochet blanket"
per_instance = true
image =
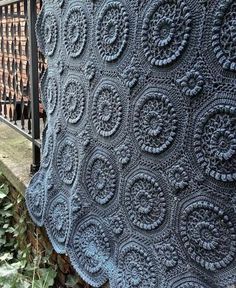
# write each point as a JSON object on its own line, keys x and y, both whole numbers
{"x": 138, "y": 172}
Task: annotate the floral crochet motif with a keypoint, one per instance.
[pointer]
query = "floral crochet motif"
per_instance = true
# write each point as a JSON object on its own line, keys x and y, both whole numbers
{"x": 224, "y": 35}
{"x": 48, "y": 35}
{"x": 145, "y": 202}
{"x": 112, "y": 30}
{"x": 208, "y": 235}
{"x": 192, "y": 83}
{"x": 67, "y": 161}
{"x": 36, "y": 199}
{"x": 216, "y": 150}
{"x": 106, "y": 110}
{"x": 75, "y": 31}
{"x": 165, "y": 32}
{"x": 92, "y": 247}
{"x": 100, "y": 178}
{"x": 131, "y": 76}
{"x": 76, "y": 204}
{"x": 51, "y": 94}
{"x": 135, "y": 268}
{"x": 57, "y": 223}
{"x": 117, "y": 225}
{"x": 178, "y": 177}
{"x": 155, "y": 122}
{"x": 169, "y": 255}
{"x": 90, "y": 70}
{"x": 73, "y": 101}
{"x": 123, "y": 153}
{"x": 85, "y": 138}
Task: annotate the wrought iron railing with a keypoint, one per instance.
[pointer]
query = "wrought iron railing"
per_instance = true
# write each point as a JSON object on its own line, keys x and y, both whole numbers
{"x": 20, "y": 67}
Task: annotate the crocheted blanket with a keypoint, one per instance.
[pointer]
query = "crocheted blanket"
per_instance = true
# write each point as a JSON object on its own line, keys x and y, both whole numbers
{"x": 138, "y": 172}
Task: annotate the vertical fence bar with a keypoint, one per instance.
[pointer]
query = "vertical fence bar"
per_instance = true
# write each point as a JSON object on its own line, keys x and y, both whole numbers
{"x": 34, "y": 87}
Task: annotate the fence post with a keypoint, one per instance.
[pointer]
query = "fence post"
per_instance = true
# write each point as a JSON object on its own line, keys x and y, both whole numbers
{"x": 34, "y": 87}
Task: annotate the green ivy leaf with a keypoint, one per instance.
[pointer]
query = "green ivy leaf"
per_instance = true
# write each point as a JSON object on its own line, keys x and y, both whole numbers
{"x": 10, "y": 230}
{"x": 18, "y": 271}
{"x": 8, "y": 206}
{"x": 5, "y": 257}
{"x": 8, "y": 271}
{"x": 4, "y": 190}
{"x": 48, "y": 275}
{"x": 72, "y": 281}
{"x": 3, "y": 241}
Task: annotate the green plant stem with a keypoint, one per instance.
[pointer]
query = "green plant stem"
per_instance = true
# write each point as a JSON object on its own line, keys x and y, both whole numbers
{"x": 34, "y": 272}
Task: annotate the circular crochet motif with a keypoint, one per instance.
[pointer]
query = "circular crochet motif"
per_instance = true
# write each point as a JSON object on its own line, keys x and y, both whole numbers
{"x": 75, "y": 31}
{"x": 135, "y": 268}
{"x": 215, "y": 142}
{"x": 49, "y": 32}
{"x": 178, "y": 177}
{"x": 123, "y": 154}
{"x": 145, "y": 202}
{"x": 100, "y": 178}
{"x": 73, "y": 100}
{"x": 192, "y": 83}
{"x": 130, "y": 76}
{"x": 51, "y": 94}
{"x": 91, "y": 246}
{"x": 208, "y": 235}
{"x": 224, "y": 35}
{"x": 47, "y": 151}
{"x": 106, "y": 110}
{"x": 117, "y": 225}
{"x": 165, "y": 32}
{"x": 155, "y": 122}
{"x": 90, "y": 70}
{"x": 67, "y": 161}
{"x": 168, "y": 255}
{"x": 58, "y": 223}
{"x": 112, "y": 31}
{"x": 36, "y": 198}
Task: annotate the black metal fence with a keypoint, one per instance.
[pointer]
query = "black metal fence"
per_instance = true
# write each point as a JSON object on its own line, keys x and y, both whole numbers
{"x": 20, "y": 67}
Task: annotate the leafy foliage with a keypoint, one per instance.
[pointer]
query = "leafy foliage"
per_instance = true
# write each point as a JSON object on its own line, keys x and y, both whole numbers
{"x": 20, "y": 265}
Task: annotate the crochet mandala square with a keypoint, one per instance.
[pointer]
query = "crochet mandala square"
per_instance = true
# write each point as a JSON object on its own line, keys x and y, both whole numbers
{"x": 138, "y": 171}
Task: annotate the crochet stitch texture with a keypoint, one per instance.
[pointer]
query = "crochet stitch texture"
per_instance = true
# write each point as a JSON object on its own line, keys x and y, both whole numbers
{"x": 137, "y": 181}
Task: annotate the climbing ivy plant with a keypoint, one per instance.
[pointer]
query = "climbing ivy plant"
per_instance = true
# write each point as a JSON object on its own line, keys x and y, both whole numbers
{"x": 20, "y": 266}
